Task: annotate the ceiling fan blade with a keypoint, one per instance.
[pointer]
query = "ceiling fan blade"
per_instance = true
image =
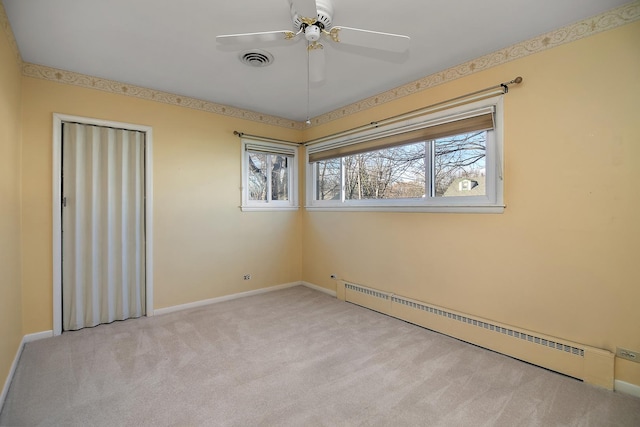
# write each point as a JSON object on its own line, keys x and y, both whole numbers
{"x": 316, "y": 62}
{"x": 264, "y": 37}
{"x": 370, "y": 39}
{"x": 305, "y": 8}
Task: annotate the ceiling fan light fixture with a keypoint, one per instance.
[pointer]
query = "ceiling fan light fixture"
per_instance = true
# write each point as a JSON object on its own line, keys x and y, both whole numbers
{"x": 312, "y": 33}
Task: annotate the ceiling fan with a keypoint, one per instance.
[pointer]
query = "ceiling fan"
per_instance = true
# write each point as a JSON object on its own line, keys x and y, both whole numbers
{"x": 313, "y": 21}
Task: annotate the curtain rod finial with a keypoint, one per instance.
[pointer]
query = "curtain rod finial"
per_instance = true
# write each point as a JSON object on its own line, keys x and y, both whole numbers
{"x": 517, "y": 80}
{"x": 239, "y": 134}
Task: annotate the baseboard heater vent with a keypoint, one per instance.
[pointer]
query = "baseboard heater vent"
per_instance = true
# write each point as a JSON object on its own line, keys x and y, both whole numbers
{"x": 592, "y": 365}
{"x": 492, "y": 327}
{"x": 368, "y": 291}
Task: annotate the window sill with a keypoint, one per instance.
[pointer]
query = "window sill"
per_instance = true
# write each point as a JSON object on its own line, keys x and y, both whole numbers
{"x": 485, "y": 209}
{"x": 268, "y": 208}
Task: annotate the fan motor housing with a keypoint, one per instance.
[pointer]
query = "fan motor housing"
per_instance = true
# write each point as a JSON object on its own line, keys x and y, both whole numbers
{"x": 324, "y": 19}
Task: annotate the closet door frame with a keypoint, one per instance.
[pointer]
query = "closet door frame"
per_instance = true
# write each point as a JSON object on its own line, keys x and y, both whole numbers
{"x": 58, "y": 119}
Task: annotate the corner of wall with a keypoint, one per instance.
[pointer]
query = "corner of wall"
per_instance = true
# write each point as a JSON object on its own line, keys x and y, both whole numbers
{"x": 627, "y": 388}
{"x": 340, "y": 290}
{"x": 598, "y": 368}
{"x": 11, "y": 206}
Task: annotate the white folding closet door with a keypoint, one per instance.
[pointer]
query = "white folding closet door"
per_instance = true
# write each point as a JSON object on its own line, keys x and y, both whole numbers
{"x": 103, "y": 236}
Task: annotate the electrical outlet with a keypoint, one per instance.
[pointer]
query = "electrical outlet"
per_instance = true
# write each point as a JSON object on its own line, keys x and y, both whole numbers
{"x": 623, "y": 353}
{"x": 247, "y": 277}
{"x": 333, "y": 276}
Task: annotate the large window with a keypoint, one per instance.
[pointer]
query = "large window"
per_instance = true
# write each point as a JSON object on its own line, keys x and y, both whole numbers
{"x": 268, "y": 175}
{"x": 445, "y": 161}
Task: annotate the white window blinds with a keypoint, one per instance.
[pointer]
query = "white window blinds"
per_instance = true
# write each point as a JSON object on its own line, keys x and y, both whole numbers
{"x": 409, "y": 132}
{"x": 270, "y": 149}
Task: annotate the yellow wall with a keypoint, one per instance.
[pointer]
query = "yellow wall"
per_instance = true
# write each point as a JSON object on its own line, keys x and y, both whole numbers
{"x": 203, "y": 244}
{"x": 563, "y": 258}
{"x": 10, "y": 274}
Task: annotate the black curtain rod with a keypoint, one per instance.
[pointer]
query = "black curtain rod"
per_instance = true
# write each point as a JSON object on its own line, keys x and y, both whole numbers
{"x": 263, "y": 138}
{"x": 504, "y": 86}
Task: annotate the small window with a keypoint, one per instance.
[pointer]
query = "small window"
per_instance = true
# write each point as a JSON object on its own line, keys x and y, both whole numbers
{"x": 268, "y": 175}
{"x": 447, "y": 161}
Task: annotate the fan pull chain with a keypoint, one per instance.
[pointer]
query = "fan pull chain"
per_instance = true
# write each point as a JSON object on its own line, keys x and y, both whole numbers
{"x": 308, "y": 122}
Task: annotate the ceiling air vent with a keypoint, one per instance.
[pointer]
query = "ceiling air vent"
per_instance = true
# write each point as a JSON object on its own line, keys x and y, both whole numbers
{"x": 256, "y": 58}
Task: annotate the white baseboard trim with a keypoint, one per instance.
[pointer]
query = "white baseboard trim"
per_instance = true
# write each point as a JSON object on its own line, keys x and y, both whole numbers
{"x": 26, "y": 339}
{"x": 627, "y": 388}
{"x": 12, "y": 371}
{"x": 37, "y": 336}
{"x": 319, "y": 289}
{"x": 172, "y": 309}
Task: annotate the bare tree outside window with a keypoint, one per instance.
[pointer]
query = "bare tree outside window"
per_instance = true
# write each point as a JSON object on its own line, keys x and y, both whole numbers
{"x": 328, "y": 179}
{"x": 390, "y": 173}
{"x": 257, "y": 176}
{"x": 276, "y": 167}
{"x": 401, "y": 172}
{"x": 279, "y": 177}
{"x": 459, "y": 156}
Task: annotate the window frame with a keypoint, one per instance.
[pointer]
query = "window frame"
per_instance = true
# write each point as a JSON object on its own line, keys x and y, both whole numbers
{"x": 491, "y": 202}
{"x": 291, "y": 150}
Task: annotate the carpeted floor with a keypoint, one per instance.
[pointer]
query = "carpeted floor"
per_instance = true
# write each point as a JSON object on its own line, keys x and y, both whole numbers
{"x": 294, "y": 357}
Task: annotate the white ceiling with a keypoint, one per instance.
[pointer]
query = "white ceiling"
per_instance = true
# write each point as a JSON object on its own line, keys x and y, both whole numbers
{"x": 171, "y": 45}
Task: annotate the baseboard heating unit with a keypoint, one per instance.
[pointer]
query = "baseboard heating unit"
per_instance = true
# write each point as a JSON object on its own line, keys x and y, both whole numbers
{"x": 589, "y": 364}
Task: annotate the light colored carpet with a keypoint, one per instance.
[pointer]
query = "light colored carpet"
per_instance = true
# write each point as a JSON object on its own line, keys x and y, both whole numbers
{"x": 295, "y": 357}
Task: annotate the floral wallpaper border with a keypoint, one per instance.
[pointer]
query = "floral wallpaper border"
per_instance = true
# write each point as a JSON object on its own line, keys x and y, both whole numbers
{"x": 76, "y": 79}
